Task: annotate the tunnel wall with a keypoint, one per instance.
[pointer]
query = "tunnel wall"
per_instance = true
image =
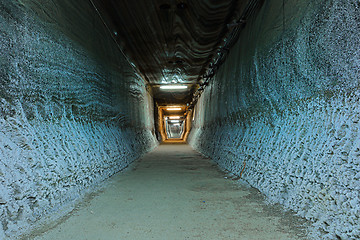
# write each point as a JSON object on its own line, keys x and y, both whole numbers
{"x": 72, "y": 110}
{"x": 283, "y": 111}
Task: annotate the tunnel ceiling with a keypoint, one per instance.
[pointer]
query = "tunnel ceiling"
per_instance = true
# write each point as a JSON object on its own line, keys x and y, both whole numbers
{"x": 169, "y": 41}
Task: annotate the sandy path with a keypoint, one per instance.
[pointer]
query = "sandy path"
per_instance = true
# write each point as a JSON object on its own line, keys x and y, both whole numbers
{"x": 174, "y": 193}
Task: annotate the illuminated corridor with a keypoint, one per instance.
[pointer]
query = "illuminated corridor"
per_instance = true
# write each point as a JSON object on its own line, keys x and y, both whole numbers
{"x": 266, "y": 90}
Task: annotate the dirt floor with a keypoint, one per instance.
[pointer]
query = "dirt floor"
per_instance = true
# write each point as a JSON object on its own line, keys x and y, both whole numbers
{"x": 175, "y": 193}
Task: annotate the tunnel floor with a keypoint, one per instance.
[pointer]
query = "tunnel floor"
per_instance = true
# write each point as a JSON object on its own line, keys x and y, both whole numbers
{"x": 175, "y": 193}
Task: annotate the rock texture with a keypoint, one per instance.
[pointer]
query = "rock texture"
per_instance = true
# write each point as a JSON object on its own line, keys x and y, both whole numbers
{"x": 72, "y": 110}
{"x": 283, "y": 111}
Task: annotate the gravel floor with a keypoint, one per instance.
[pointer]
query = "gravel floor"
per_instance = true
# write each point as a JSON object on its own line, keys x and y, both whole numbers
{"x": 175, "y": 193}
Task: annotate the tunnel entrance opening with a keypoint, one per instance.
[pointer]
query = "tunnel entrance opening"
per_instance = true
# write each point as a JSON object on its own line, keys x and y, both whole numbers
{"x": 174, "y": 128}
{"x": 173, "y": 123}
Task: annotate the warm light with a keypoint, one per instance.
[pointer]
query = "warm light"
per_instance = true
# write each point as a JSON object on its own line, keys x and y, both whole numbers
{"x": 174, "y": 109}
{"x": 174, "y": 117}
{"x": 173, "y": 87}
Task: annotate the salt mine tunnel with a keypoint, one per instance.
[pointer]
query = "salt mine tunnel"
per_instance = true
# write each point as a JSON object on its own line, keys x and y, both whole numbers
{"x": 179, "y": 119}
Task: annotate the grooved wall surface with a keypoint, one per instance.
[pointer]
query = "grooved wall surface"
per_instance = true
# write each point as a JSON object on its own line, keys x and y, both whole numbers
{"x": 286, "y": 106}
{"x": 72, "y": 110}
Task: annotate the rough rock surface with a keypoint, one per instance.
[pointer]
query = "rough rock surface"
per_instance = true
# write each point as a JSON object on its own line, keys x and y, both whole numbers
{"x": 72, "y": 110}
{"x": 283, "y": 111}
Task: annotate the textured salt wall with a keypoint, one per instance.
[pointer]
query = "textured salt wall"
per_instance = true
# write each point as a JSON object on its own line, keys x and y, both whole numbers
{"x": 72, "y": 110}
{"x": 284, "y": 109}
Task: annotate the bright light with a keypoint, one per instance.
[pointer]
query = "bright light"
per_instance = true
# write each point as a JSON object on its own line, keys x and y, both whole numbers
{"x": 173, "y": 87}
{"x": 174, "y": 117}
{"x": 174, "y": 109}
{"x": 174, "y": 121}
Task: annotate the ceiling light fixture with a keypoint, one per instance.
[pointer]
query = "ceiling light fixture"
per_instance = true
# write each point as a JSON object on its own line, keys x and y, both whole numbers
{"x": 174, "y": 117}
{"x": 174, "y": 109}
{"x": 173, "y": 87}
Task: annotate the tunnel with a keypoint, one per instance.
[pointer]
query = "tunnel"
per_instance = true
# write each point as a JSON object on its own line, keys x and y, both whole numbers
{"x": 264, "y": 91}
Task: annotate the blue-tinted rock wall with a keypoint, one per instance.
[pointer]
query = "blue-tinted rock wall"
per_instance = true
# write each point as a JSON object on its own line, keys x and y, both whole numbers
{"x": 284, "y": 110}
{"x": 72, "y": 110}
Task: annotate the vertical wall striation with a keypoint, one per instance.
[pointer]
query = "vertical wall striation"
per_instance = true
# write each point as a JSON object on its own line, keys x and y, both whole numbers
{"x": 72, "y": 110}
{"x": 283, "y": 111}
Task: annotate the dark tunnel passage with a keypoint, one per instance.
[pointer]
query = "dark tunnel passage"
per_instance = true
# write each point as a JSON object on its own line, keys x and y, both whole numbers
{"x": 266, "y": 89}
